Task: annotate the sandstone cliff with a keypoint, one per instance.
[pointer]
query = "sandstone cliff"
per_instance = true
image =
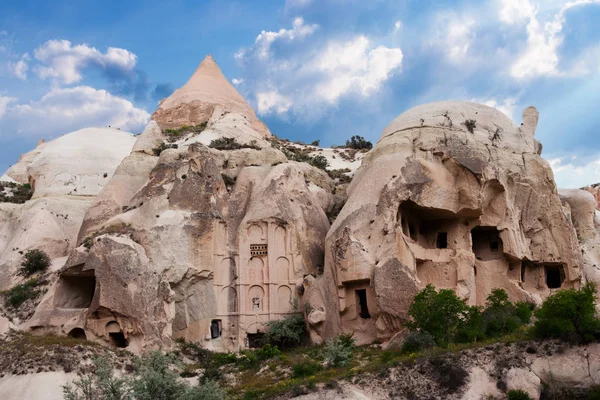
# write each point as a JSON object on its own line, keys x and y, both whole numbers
{"x": 205, "y": 226}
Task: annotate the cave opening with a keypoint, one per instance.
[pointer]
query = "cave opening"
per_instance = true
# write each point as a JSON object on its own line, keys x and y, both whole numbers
{"x": 77, "y": 333}
{"x": 118, "y": 339}
{"x": 487, "y": 244}
{"x": 361, "y": 302}
{"x": 255, "y": 340}
{"x": 75, "y": 291}
{"x": 555, "y": 276}
{"x": 215, "y": 329}
{"x": 441, "y": 241}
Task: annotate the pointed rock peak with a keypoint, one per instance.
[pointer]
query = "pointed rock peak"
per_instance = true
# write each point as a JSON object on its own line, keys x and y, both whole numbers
{"x": 207, "y": 90}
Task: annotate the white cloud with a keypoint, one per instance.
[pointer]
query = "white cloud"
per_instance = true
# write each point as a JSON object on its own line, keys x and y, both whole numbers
{"x": 351, "y": 65}
{"x": 506, "y": 106}
{"x": 265, "y": 39}
{"x": 540, "y": 57}
{"x": 455, "y": 35}
{"x": 568, "y": 173}
{"x": 4, "y": 101}
{"x": 272, "y": 102}
{"x": 63, "y": 61}
{"x": 397, "y": 25}
{"x": 20, "y": 68}
{"x": 64, "y": 110}
{"x": 237, "y": 81}
{"x": 305, "y": 78}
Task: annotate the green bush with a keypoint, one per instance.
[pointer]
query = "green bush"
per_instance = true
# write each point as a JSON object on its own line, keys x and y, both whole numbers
{"x": 440, "y": 314}
{"x": 316, "y": 143}
{"x": 34, "y": 261}
{"x": 416, "y": 342}
{"x": 286, "y": 332}
{"x": 225, "y": 143}
{"x": 358, "y": 143}
{"x": 472, "y": 327}
{"x": 569, "y": 315}
{"x": 319, "y": 162}
{"x": 153, "y": 379}
{"x": 339, "y": 351}
{"x": 306, "y": 368}
{"x": 19, "y": 294}
{"x": 500, "y": 315}
{"x": 174, "y": 134}
{"x": 267, "y": 352}
{"x": 209, "y": 390}
{"x": 518, "y": 395}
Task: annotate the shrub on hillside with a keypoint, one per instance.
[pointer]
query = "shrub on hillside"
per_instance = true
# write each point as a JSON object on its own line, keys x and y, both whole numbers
{"x": 305, "y": 368}
{"x": 440, "y": 314}
{"x": 501, "y": 316}
{"x": 152, "y": 379}
{"x": 11, "y": 192}
{"x": 416, "y": 342}
{"x": 319, "y": 162}
{"x": 339, "y": 350}
{"x": 19, "y": 294}
{"x": 225, "y": 143}
{"x": 34, "y": 261}
{"x": 569, "y": 314}
{"x": 286, "y": 332}
{"x": 358, "y": 143}
{"x": 518, "y": 395}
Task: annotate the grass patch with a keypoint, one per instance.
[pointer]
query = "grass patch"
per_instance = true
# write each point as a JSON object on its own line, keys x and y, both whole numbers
{"x": 176, "y": 134}
{"x": 19, "y": 294}
{"x": 232, "y": 144}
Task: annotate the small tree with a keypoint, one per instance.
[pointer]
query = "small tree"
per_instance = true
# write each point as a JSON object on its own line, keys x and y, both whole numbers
{"x": 34, "y": 261}
{"x": 153, "y": 380}
{"x": 569, "y": 315}
{"x": 100, "y": 386}
{"x": 319, "y": 162}
{"x": 338, "y": 351}
{"x": 500, "y": 315}
{"x": 286, "y": 332}
{"x": 358, "y": 143}
{"x": 440, "y": 314}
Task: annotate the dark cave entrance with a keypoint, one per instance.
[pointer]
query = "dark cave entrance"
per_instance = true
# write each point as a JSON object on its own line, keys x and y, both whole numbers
{"x": 255, "y": 340}
{"x": 555, "y": 276}
{"x": 487, "y": 244}
{"x": 116, "y": 335}
{"x": 361, "y": 304}
{"x": 77, "y": 333}
{"x": 441, "y": 241}
{"x": 215, "y": 329}
{"x": 75, "y": 291}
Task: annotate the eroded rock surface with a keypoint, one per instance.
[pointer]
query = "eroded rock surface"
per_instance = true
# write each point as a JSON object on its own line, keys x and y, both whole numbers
{"x": 453, "y": 194}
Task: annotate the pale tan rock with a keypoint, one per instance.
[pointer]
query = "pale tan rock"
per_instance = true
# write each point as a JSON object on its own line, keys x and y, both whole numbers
{"x": 523, "y": 379}
{"x": 40, "y": 386}
{"x": 481, "y": 386}
{"x": 18, "y": 171}
{"x": 570, "y": 368}
{"x": 469, "y": 211}
{"x": 195, "y": 102}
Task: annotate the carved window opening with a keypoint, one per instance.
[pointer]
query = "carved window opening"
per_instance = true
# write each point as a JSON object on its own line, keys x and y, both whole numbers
{"x": 361, "y": 303}
{"x": 258, "y": 250}
{"x": 116, "y": 335}
{"x": 75, "y": 291}
{"x": 256, "y": 304}
{"x": 442, "y": 240}
{"x": 555, "y": 276}
{"x": 215, "y": 329}
{"x": 487, "y": 244}
{"x": 522, "y": 273}
{"x": 255, "y": 340}
{"x": 77, "y": 333}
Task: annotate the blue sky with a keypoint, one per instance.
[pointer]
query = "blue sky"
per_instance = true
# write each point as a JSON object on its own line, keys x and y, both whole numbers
{"x": 313, "y": 69}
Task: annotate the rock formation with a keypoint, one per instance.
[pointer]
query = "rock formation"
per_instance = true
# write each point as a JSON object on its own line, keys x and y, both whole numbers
{"x": 453, "y": 194}
{"x": 174, "y": 236}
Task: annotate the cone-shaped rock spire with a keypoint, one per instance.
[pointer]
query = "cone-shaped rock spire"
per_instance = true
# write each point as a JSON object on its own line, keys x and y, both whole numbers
{"x": 206, "y": 91}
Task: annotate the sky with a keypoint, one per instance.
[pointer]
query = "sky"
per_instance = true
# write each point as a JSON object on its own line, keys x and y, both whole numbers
{"x": 312, "y": 69}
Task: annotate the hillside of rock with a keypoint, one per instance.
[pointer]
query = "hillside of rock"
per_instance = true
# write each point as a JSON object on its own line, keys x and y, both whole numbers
{"x": 206, "y": 226}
